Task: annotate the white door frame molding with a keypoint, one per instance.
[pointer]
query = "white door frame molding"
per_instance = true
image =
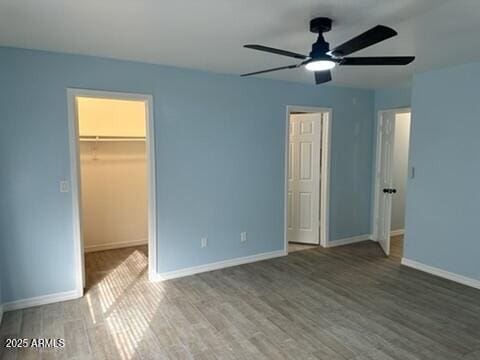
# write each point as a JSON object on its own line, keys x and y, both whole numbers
{"x": 75, "y": 180}
{"x": 325, "y": 171}
{"x": 376, "y": 178}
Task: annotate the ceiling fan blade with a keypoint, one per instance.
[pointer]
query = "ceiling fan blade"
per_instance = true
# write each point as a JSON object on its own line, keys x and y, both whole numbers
{"x": 368, "y": 38}
{"x": 275, "y": 51}
{"x": 380, "y": 60}
{"x": 322, "y": 77}
{"x": 270, "y": 70}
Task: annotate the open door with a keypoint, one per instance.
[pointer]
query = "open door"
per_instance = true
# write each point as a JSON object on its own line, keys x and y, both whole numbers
{"x": 304, "y": 178}
{"x": 384, "y": 178}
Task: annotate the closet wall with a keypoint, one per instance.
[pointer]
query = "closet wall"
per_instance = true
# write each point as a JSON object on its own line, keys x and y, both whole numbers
{"x": 113, "y": 173}
{"x": 400, "y": 170}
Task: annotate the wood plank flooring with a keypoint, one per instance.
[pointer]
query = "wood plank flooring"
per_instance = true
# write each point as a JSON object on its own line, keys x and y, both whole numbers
{"x": 293, "y": 247}
{"x": 342, "y": 303}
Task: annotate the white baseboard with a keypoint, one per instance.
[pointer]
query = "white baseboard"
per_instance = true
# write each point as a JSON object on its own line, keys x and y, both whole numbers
{"x": 347, "y": 241}
{"x": 41, "y": 300}
{"x": 475, "y": 283}
{"x": 115, "y": 245}
{"x": 397, "y": 232}
{"x": 217, "y": 265}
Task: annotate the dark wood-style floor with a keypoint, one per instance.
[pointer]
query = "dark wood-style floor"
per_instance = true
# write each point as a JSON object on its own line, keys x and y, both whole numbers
{"x": 293, "y": 247}
{"x": 342, "y": 303}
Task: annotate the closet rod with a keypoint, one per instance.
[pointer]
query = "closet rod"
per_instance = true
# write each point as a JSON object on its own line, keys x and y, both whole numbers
{"x": 111, "y": 138}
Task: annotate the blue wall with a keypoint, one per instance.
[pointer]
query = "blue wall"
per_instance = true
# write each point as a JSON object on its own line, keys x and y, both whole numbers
{"x": 220, "y": 162}
{"x": 2, "y": 255}
{"x": 391, "y": 98}
{"x": 1, "y": 289}
{"x": 443, "y": 201}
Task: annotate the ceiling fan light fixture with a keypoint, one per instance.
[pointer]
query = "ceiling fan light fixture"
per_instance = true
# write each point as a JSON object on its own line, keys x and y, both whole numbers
{"x": 322, "y": 58}
{"x": 320, "y": 65}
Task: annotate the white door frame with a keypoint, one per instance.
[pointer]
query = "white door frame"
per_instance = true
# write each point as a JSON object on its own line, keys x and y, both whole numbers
{"x": 325, "y": 171}
{"x": 376, "y": 188}
{"x": 72, "y": 94}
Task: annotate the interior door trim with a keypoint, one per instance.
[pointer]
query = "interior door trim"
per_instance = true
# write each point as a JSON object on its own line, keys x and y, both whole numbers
{"x": 325, "y": 171}
{"x": 72, "y": 94}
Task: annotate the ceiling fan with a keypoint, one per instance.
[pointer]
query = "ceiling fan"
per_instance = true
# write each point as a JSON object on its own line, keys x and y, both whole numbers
{"x": 321, "y": 59}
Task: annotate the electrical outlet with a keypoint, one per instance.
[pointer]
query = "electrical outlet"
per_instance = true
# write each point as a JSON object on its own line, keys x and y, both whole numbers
{"x": 243, "y": 236}
{"x": 204, "y": 242}
{"x": 64, "y": 186}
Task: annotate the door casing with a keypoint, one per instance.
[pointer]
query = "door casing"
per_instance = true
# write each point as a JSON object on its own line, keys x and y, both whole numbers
{"x": 325, "y": 171}
{"x": 305, "y": 131}
{"x": 75, "y": 180}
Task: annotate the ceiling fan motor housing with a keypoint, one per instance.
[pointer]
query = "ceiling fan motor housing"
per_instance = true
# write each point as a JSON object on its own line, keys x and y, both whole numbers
{"x": 320, "y": 47}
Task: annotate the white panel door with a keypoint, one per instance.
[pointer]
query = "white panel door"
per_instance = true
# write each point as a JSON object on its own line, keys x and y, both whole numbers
{"x": 385, "y": 179}
{"x": 304, "y": 178}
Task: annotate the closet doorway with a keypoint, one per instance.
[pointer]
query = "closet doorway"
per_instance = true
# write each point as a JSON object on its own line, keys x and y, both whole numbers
{"x": 113, "y": 186}
{"x": 307, "y": 177}
{"x": 391, "y": 174}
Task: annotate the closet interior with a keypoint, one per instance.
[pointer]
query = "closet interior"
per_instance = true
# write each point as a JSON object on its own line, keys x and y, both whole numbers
{"x": 113, "y": 167}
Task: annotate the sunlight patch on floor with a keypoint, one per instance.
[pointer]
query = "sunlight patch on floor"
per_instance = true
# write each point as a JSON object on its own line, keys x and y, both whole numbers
{"x": 126, "y": 315}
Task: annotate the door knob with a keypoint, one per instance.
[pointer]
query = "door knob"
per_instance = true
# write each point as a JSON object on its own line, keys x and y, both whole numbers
{"x": 390, "y": 191}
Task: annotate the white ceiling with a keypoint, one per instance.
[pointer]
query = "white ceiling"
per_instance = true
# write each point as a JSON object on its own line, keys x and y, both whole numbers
{"x": 209, "y": 34}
